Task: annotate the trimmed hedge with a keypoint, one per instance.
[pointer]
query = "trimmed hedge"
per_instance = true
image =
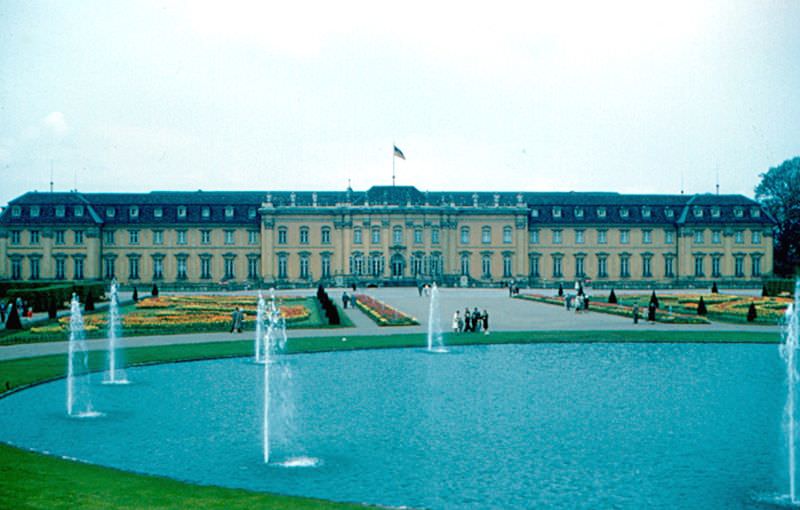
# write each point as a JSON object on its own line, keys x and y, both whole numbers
{"x": 38, "y": 297}
{"x": 776, "y": 286}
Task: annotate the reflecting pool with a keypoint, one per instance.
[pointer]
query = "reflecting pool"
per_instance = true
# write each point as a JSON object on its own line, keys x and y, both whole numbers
{"x": 518, "y": 426}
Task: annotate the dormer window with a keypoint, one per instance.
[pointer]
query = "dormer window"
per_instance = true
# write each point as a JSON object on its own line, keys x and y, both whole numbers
{"x": 534, "y": 213}
{"x": 556, "y": 212}
{"x": 738, "y": 212}
{"x": 715, "y": 212}
{"x": 16, "y": 211}
{"x": 110, "y": 212}
{"x": 181, "y": 211}
{"x": 78, "y": 211}
{"x": 579, "y": 212}
{"x": 229, "y": 211}
{"x": 755, "y": 212}
{"x": 34, "y": 211}
{"x": 601, "y": 212}
{"x": 158, "y": 212}
{"x": 623, "y": 213}
{"x": 251, "y": 212}
{"x": 645, "y": 212}
{"x": 60, "y": 211}
{"x": 205, "y": 212}
{"x": 669, "y": 213}
{"x": 698, "y": 212}
{"x": 133, "y": 212}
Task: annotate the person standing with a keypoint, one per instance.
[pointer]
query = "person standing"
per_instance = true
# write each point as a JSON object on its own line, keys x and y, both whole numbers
{"x": 3, "y": 312}
{"x": 456, "y": 321}
{"x": 636, "y": 313}
{"x": 345, "y": 299}
{"x": 476, "y": 320}
{"x": 467, "y": 321}
{"x": 485, "y": 319}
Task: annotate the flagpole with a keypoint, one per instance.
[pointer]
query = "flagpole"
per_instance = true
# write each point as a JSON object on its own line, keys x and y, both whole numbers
{"x": 393, "y": 158}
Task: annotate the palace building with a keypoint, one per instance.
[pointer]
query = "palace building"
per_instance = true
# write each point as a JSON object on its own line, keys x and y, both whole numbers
{"x": 387, "y": 235}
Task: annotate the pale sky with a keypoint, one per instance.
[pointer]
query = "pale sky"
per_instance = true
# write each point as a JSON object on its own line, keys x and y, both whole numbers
{"x": 533, "y": 96}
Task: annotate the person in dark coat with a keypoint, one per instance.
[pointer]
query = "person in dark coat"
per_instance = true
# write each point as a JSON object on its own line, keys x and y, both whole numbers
{"x": 636, "y": 313}
{"x": 467, "y": 320}
{"x": 485, "y": 319}
{"x": 345, "y": 300}
{"x": 3, "y": 312}
{"x": 476, "y": 320}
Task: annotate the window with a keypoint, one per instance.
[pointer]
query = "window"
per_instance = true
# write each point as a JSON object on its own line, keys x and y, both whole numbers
{"x": 669, "y": 266}
{"x": 578, "y": 212}
{"x": 647, "y": 236}
{"x": 464, "y": 264}
{"x": 229, "y": 236}
{"x": 251, "y": 212}
{"x": 110, "y": 212}
{"x": 78, "y": 270}
{"x": 715, "y": 265}
{"x": 78, "y": 211}
{"x": 738, "y": 212}
{"x": 376, "y": 235}
{"x": 507, "y": 235}
{"x": 34, "y": 261}
{"x": 252, "y": 237}
{"x": 229, "y": 211}
{"x": 602, "y": 236}
{"x": 669, "y": 237}
{"x": 133, "y": 268}
{"x": 579, "y": 266}
{"x": 357, "y": 236}
{"x": 108, "y": 268}
{"x": 739, "y": 266}
{"x": 283, "y": 233}
{"x": 205, "y": 267}
{"x": 252, "y": 268}
{"x": 325, "y": 235}
{"x": 698, "y": 265}
{"x": 325, "y": 265}
{"x": 180, "y": 236}
{"x": 59, "y": 235}
{"x": 158, "y": 212}
{"x": 133, "y": 211}
{"x": 715, "y": 212}
{"x": 486, "y": 235}
{"x": 557, "y": 236}
{"x": 205, "y": 213}
{"x": 417, "y": 263}
{"x": 16, "y": 269}
{"x": 601, "y": 212}
{"x": 534, "y": 213}
{"x": 35, "y": 237}
{"x": 434, "y": 236}
{"x": 755, "y": 269}
{"x": 356, "y": 264}
{"x": 698, "y": 236}
{"x": 158, "y": 237}
{"x": 623, "y": 213}
{"x": 181, "y": 267}
{"x": 376, "y": 264}
{"x": 229, "y": 268}
{"x": 602, "y": 266}
{"x": 716, "y": 236}
{"x": 534, "y": 263}
{"x": 417, "y": 236}
{"x": 579, "y": 236}
{"x": 16, "y": 211}
{"x": 15, "y": 237}
{"x": 646, "y": 213}
{"x": 486, "y": 266}
{"x": 158, "y": 268}
{"x": 108, "y": 237}
{"x": 133, "y": 237}
{"x": 698, "y": 212}
{"x": 35, "y": 211}
{"x": 535, "y": 236}
{"x": 756, "y": 237}
{"x": 78, "y": 237}
{"x": 397, "y": 235}
{"x": 304, "y": 273}
{"x": 624, "y": 266}
{"x": 436, "y": 264}
{"x": 556, "y": 212}
{"x": 60, "y": 211}
{"x": 181, "y": 212}
{"x": 464, "y": 235}
{"x": 669, "y": 213}
{"x": 61, "y": 271}
{"x": 557, "y": 269}
{"x": 739, "y": 236}
{"x": 205, "y": 237}
{"x": 647, "y": 271}
{"x": 755, "y": 212}
{"x": 283, "y": 265}
{"x": 624, "y": 236}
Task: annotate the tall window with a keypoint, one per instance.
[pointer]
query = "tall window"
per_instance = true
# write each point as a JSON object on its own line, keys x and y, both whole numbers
{"x": 669, "y": 266}
{"x": 283, "y": 264}
{"x": 647, "y": 270}
{"x": 557, "y": 266}
{"x": 158, "y": 237}
{"x": 739, "y": 237}
{"x": 229, "y": 236}
{"x": 15, "y": 237}
{"x": 756, "y": 237}
{"x": 698, "y": 236}
{"x": 464, "y": 235}
{"x": 465, "y": 264}
{"x": 304, "y": 273}
{"x": 716, "y": 236}
{"x": 325, "y": 235}
{"x": 669, "y": 237}
{"x": 108, "y": 237}
{"x": 602, "y": 266}
{"x": 181, "y": 267}
{"x": 376, "y": 264}
{"x": 624, "y": 266}
{"x": 205, "y": 237}
{"x": 376, "y": 235}
{"x": 158, "y": 268}
{"x": 303, "y": 235}
{"x": 507, "y": 270}
{"x": 418, "y": 236}
{"x": 34, "y": 237}
{"x": 556, "y": 236}
{"x": 133, "y": 237}
{"x": 534, "y": 236}
{"x": 59, "y": 236}
{"x": 79, "y": 237}
{"x": 647, "y": 236}
{"x": 534, "y": 266}
{"x": 624, "y": 236}
{"x": 698, "y": 265}
{"x": 739, "y": 266}
{"x": 486, "y": 235}
{"x": 61, "y": 271}
{"x": 436, "y": 264}
{"x": 133, "y": 268}
{"x": 229, "y": 268}
{"x": 78, "y": 270}
{"x": 283, "y": 233}
{"x": 579, "y": 236}
{"x": 181, "y": 236}
{"x": 34, "y": 261}
{"x": 108, "y": 268}
{"x": 715, "y": 265}
{"x": 252, "y": 237}
{"x": 205, "y": 267}
{"x": 507, "y": 235}
{"x": 486, "y": 266}
{"x": 357, "y": 236}
{"x": 325, "y": 265}
{"x": 252, "y": 268}
{"x": 397, "y": 235}
{"x": 16, "y": 269}
{"x": 434, "y": 236}
{"x": 357, "y": 264}
{"x": 755, "y": 270}
{"x": 579, "y": 266}
{"x": 602, "y": 236}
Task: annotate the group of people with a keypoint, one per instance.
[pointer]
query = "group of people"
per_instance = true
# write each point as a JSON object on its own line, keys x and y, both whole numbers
{"x": 471, "y": 322}
{"x": 579, "y": 302}
{"x": 23, "y": 309}
{"x": 237, "y": 319}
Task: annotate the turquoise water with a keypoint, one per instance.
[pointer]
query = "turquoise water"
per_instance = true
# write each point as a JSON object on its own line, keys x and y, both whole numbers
{"x": 531, "y": 426}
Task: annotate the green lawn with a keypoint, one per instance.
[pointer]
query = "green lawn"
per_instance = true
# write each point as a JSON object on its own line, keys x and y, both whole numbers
{"x": 29, "y": 480}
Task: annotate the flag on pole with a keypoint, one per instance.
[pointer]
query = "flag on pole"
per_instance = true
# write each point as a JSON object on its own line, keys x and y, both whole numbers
{"x": 398, "y": 153}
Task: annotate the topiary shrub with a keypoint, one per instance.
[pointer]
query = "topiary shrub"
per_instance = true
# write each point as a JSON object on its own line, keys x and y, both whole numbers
{"x": 751, "y": 313}
{"x": 714, "y": 289}
{"x": 764, "y": 292}
{"x": 654, "y": 299}
{"x": 612, "y": 298}
{"x": 52, "y": 309}
{"x": 154, "y": 292}
{"x": 701, "y": 307}
{"x": 560, "y": 290}
{"x": 89, "y": 306}
{"x": 13, "y": 321}
{"x": 135, "y": 295}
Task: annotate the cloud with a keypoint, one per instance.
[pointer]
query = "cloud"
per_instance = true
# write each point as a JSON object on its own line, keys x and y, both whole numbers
{"x": 56, "y": 123}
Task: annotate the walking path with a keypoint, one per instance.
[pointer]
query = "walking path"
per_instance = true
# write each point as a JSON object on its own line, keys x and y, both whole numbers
{"x": 505, "y": 314}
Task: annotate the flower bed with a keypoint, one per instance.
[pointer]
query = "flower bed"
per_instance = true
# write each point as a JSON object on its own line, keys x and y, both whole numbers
{"x": 381, "y": 313}
{"x": 662, "y": 315}
{"x": 719, "y": 307}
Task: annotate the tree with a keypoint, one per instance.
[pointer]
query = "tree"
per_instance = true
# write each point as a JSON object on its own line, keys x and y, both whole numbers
{"x": 612, "y": 298}
{"x": 13, "y": 321}
{"x": 751, "y": 313}
{"x": 52, "y": 307}
{"x": 701, "y": 307}
{"x": 779, "y": 193}
{"x": 714, "y": 289}
{"x": 135, "y": 295}
{"x": 154, "y": 292}
{"x": 654, "y": 299}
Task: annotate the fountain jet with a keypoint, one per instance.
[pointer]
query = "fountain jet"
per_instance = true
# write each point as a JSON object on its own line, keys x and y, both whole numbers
{"x": 114, "y": 374}
{"x": 435, "y": 337}
{"x": 791, "y": 329}
{"x": 79, "y": 402}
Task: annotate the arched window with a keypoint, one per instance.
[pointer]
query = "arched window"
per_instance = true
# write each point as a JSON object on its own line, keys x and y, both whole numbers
{"x": 303, "y": 235}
